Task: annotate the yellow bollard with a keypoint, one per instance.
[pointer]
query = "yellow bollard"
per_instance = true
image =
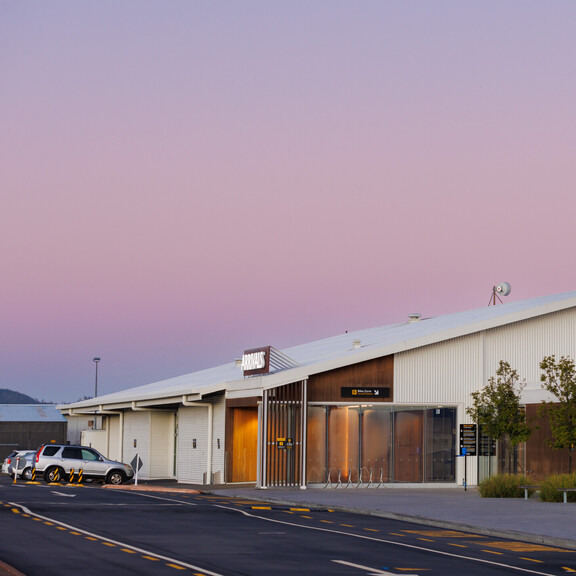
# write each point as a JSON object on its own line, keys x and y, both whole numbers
{"x": 71, "y": 474}
{"x": 80, "y": 476}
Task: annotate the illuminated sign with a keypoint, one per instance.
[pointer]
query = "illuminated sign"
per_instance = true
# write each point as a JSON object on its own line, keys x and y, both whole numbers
{"x": 365, "y": 392}
{"x": 256, "y": 361}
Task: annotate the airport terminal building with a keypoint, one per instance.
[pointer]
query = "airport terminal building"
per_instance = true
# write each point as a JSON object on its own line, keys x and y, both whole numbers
{"x": 367, "y": 408}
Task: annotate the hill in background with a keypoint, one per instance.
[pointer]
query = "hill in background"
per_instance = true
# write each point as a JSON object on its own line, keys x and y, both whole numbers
{"x": 11, "y": 397}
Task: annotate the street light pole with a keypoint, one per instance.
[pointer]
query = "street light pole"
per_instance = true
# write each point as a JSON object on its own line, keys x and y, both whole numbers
{"x": 96, "y": 360}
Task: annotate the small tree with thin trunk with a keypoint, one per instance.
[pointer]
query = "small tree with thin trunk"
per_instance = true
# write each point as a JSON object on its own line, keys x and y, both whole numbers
{"x": 496, "y": 409}
{"x": 559, "y": 378}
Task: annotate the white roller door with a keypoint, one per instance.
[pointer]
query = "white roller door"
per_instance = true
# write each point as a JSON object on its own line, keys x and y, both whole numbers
{"x": 192, "y": 444}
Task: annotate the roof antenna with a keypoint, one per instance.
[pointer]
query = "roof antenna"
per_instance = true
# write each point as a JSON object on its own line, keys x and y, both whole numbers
{"x": 503, "y": 288}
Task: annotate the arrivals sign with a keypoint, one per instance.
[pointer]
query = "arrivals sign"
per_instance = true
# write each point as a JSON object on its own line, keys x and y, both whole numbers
{"x": 256, "y": 361}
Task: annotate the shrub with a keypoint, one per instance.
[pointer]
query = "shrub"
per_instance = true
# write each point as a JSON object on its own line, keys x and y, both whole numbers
{"x": 503, "y": 486}
{"x": 549, "y": 488}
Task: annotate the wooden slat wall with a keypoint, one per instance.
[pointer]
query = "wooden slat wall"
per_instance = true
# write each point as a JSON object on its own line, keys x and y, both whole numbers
{"x": 283, "y": 405}
{"x": 326, "y": 387}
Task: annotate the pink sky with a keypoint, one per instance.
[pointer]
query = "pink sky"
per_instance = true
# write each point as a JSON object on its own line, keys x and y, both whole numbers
{"x": 182, "y": 181}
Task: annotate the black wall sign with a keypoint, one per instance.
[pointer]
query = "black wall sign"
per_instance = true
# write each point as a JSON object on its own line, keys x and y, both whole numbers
{"x": 468, "y": 438}
{"x": 365, "y": 392}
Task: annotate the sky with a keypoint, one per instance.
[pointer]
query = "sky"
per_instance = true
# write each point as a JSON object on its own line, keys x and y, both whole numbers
{"x": 181, "y": 181}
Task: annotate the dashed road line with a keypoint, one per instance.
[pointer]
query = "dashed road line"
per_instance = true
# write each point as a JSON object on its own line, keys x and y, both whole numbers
{"x": 110, "y": 542}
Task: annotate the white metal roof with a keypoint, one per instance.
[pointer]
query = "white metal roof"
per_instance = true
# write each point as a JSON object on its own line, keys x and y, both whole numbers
{"x": 337, "y": 351}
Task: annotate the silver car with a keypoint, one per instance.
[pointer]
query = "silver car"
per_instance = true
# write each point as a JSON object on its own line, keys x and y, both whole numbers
{"x": 64, "y": 462}
{"x": 20, "y": 462}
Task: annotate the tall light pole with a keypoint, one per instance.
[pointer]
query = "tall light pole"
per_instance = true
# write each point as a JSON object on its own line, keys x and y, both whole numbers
{"x": 96, "y": 360}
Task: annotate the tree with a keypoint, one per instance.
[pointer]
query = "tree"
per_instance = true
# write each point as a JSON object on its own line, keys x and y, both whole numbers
{"x": 559, "y": 378}
{"x": 496, "y": 409}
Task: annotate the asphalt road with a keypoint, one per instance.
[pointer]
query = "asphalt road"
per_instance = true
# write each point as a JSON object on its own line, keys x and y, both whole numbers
{"x": 65, "y": 530}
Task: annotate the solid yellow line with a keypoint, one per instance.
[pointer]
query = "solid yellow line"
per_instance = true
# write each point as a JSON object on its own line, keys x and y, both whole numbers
{"x": 300, "y": 509}
{"x": 261, "y": 507}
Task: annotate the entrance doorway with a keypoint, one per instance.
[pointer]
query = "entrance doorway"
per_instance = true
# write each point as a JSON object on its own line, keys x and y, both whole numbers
{"x": 244, "y": 445}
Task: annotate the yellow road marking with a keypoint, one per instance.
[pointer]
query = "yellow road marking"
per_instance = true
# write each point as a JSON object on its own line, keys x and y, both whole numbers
{"x": 327, "y": 521}
{"x": 532, "y": 560}
{"x": 442, "y": 534}
{"x": 492, "y": 552}
{"x": 396, "y": 534}
{"x": 60, "y": 528}
{"x": 426, "y": 539}
{"x": 372, "y": 529}
{"x": 151, "y": 558}
{"x": 176, "y": 566}
{"x": 109, "y": 544}
{"x": 568, "y": 569}
{"x": 261, "y": 507}
{"x": 523, "y": 547}
{"x": 128, "y": 551}
{"x": 347, "y": 525}
{"x": 300, "y": 509}
{"x": 459, "y": 545}
{"x": 308, "y": 517}
{"x": 91, "y": 538}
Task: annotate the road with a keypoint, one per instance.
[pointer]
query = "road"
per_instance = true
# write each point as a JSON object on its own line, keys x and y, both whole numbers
{"x": 60, "y": 530}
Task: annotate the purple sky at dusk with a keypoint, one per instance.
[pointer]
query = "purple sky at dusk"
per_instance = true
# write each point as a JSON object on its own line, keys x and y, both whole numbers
{"x": 183, "y": 180}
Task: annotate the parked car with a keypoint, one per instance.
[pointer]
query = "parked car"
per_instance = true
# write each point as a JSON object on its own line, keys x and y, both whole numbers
{"x": 24, "y": 459}
{"x": 57, "y": 461}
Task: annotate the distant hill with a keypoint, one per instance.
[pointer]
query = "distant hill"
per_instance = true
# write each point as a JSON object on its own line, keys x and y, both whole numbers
{"x": 11, "y": 397}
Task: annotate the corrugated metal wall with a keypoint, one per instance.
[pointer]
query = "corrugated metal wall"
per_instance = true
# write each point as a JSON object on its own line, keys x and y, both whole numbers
{"x": 192, "y": 449}
{"x": 439, "y": 374}
{"x": 448, "y": 372}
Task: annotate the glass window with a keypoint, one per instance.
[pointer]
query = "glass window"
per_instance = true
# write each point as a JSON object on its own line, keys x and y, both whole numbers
{"x": 343, "y": 444}
{"x": 376, "y": 444}
{"x": 89, "y": 455}
{"x": 316, "y": 446}
{"x": 440, "y": 444}
{"x": 72, "y": 453}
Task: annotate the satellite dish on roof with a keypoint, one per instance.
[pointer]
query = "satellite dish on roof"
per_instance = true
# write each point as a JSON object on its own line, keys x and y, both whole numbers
{"x": 502, "y": 289}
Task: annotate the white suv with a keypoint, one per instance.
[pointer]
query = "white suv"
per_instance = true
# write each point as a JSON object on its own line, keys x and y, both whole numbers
{"x": 59, "y": 462}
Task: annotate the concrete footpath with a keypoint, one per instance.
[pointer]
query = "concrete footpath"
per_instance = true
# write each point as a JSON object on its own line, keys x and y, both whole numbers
{"x": 452, "y": 508}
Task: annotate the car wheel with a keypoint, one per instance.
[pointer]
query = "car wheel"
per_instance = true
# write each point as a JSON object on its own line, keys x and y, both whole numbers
{"x": 115, "y": 477}
{"x": 54, "y": 474}
{"x": 27, "y": 473}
